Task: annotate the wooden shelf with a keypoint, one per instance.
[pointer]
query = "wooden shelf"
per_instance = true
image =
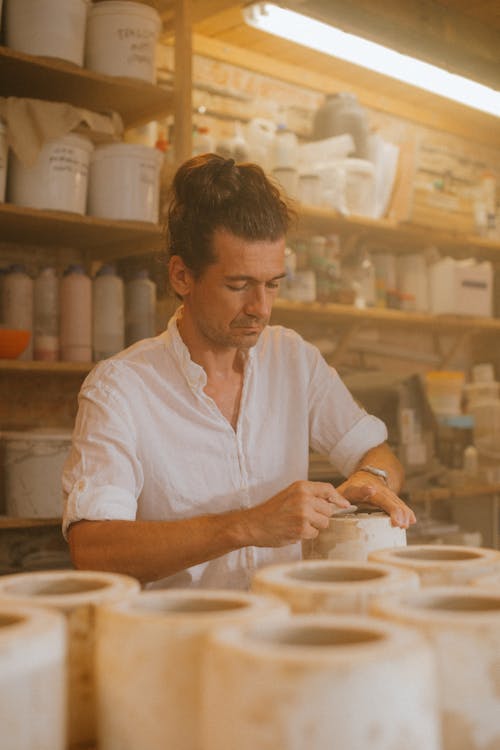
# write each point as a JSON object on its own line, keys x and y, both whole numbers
{"x": 7, "y": 522}
{"x": 51, "y": 368}
{"x": 103, "y": 238}
{"x": 59, "y": 81}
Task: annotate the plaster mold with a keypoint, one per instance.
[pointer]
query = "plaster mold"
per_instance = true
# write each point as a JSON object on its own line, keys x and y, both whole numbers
{"x": 149, "y": 653}
{"x": 462, "y": 625}
{"x": 32, "y": 679}
{"x": 319, "y": 682}
{"x": 353, "y": 536}
{"x": 332, "y": 586}
{"x": 441, "y": 564}
{"x": 75, "y": 594}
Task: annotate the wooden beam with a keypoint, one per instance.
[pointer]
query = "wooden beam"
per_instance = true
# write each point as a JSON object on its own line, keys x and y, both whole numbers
{"x": 183, "y": 80}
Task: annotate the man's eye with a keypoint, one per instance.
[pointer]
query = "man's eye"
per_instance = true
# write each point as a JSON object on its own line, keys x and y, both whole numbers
{"x": 273, "y": 284}
{"x": 237, "y": 288}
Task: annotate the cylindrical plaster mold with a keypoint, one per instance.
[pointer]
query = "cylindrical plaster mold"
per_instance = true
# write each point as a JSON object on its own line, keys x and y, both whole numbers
{"x": 489, "y": 582}
{"x": 319, "y": 682}
{"x": 32, "y": 679}
{"x": 76, "y": 594}
{"x": 332, "y": 586}
{"x": 353, "y": 536}
{"x": 441, "y": 564}
{"x": 149, "y": 652}
{"x": 462, "y": 625}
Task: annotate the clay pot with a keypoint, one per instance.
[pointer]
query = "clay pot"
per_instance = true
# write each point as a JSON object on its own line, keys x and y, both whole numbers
{"x": 353, "y": 537}
{"x": 489, "y": 582}
{"x": 32, "y": 679}
{"x": 441, "y": 564}
{"x": 75, "y": 593}
{"x": 334, "y": 586}
{"x": 463, "y": 627}
{"x": 149, "y": 653}
{"x": 319, "y": 682}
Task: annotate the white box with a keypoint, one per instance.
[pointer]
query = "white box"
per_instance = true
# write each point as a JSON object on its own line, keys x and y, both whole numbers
{"x": 461, "y": 287}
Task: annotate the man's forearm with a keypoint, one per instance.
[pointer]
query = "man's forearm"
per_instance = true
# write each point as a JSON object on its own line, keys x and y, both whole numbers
{"x": 383, "y": 458}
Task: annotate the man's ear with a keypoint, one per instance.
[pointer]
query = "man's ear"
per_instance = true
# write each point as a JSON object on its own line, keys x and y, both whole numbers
{"x": 181, "y": 278}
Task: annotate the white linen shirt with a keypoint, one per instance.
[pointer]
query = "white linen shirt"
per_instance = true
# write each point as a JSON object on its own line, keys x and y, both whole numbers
{"x": 150, "y": 444}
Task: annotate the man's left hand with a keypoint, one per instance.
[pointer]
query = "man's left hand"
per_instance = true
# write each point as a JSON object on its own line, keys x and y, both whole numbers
{"x": 360, "y": 487}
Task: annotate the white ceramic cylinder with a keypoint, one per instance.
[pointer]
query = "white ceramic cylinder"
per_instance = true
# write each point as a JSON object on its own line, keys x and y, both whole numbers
{"x": 3, "y": 159}
{"x": 17, "y": 303}
{"x": 58, "y": 179}
{"x": 124, "y": 182}
{"x": 76, "y": 315}
{"x": 32, "y": 679}
{"x": 140, "y": 308}
{"x": 488, "y": 582}
{"x": 149, "y": 654}
{"x": 353, "y": 537}
{"x": 75, "y": 594}
{"x": 439, "y": 564}
{"x": 319, "y": 682}
{"x": 332, "y": 586}
{"x": 463, "y": 627}
{"x": 121, "y": 39}
{"x": 52, "y": 28}
{"x": 46, "y": 316}
{"x": 108, "y": 313}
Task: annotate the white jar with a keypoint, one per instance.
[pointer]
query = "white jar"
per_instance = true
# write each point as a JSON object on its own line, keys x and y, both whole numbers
{"x": 3, "y": 160}
{"x": 17, "y": 303}
{"x": 124, "y": 182}
{"x": 359, "y": 189}
{"x": 285, "y": 149}
{"x": 140, "y": 308}
{"x": 121, "y": 39}
{"x": 76, "y": 315}
{"x": 58, "y": 179}
{"x": 52, "y": 28}
{"x": 46, "y": 315}
{"x": 108, "y": 313}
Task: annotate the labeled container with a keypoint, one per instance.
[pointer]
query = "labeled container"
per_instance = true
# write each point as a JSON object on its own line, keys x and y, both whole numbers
{"x": 461, "y": 287}
{"x": 124, "y": 182}
{"x": 342, "y": 113}
{"x": 121, "y": 39}
{"x": 108, "y": 313}
{"x": 46, "y": 315}
{"x": 32, "y": 678}
{"x": 76, "y": 315}
{"x": 52, "y": 28}
{"x": 58, "y": 179}
{"x": 33, "y": 463}
{"x": 17, "y": 303}
{"x": 140, "y": 308}
{"x": 444, "y": 390}
{"x": 3, "y": 159}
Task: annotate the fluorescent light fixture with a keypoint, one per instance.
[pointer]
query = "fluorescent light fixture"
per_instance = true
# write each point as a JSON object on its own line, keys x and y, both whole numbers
{"x": 320, "y": 36}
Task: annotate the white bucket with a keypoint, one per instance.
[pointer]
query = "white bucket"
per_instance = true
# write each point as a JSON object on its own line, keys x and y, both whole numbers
{"x": 124, "y": 182}
{"x": 33, "y": 462}
{"x": 121, "y": 39}
{"x": 3, "y": 153}
{"x": 58, "y": 180}
{"x": 52, "y": 28}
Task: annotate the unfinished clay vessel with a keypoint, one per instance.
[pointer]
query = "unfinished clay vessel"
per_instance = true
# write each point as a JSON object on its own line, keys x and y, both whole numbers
{"x": 319, "y": 682}
{"x": 32, "y": 679}
{"x": 76, "y": 594}
{"x": 353, "y": 537}
{"x": 489, "y": 582}
{"x": 149, "y": 654}
{"x": 441, "y": 564}
{"x": 334, "y": 586}
{"x": 462, "y": 625}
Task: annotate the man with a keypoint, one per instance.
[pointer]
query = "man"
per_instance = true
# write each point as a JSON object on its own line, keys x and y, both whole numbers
{"x": 190, "y": 451}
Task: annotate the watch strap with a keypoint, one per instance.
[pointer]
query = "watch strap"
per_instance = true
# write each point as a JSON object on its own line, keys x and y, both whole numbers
{"x": 380, "y": 473}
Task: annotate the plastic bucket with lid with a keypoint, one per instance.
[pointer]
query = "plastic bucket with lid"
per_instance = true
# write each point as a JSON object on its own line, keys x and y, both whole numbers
{"x": 52, "y": 28}
{"x": 3, "y": 155}
{"x": 121, "y": 39}
{"x": 58, "y": 180}
{"x": 33, "y": 462}
{"x": 124, "y": 182}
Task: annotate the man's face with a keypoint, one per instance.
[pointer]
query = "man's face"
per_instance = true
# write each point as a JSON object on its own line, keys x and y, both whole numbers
{"x": 230, "y": 304}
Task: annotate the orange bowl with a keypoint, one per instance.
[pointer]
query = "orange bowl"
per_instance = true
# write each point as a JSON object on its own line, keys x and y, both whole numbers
{"x": 13, "y": 342}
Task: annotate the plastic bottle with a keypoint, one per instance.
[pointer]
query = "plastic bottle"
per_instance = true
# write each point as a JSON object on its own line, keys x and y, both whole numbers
{"x": 75, "y": 305}
{"x": 367, "y": 283}
{"x": 108, "y": 313}
{"x": 470, "y": 461}
{"x": 17, "y": 302}
{"x": 46, "y": 315}
{"x": 341, "y": 113}
{"x": 140, "y": 308}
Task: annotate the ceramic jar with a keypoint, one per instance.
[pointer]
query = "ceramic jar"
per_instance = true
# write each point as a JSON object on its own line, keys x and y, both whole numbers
{"x": 353, "y": 536}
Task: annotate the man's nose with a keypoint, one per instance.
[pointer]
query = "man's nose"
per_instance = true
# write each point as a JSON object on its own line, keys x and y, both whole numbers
{"x": 258, "y": 304}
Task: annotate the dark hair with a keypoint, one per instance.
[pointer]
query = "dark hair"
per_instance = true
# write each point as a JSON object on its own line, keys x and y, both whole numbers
{"x": 209, "y": 193}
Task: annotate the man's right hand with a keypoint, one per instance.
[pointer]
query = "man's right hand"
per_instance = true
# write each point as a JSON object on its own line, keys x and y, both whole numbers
{"x": 298, "y": 512}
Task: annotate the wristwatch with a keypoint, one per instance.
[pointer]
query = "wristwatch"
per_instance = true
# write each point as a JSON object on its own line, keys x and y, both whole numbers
{"x": 381, "y": 473}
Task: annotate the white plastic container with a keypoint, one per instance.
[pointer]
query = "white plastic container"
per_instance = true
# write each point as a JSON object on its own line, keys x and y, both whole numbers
{"x": 46, "y": 316}
{"x": 121, "y": 39}
{"x": 52, "y": 28}
{"x": 108, "y": 313}
{"x": 309, "y": 189}
{"x": 288, "y": 178}
{"x": 3, "y": 157}
{"x": 124, "y": 182}
{"x": 461, "y": 287}
{"x": 33, "y": 466}
{"x": 17, "y": 303}
{"x": 140, "y": 308}
{"x": 285, "y": 150}
{"x": 76, "y": 315}
{"x": 259, "y": 134}
{"x": 58, "y": 180}
{"x": 359, "y": 186}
